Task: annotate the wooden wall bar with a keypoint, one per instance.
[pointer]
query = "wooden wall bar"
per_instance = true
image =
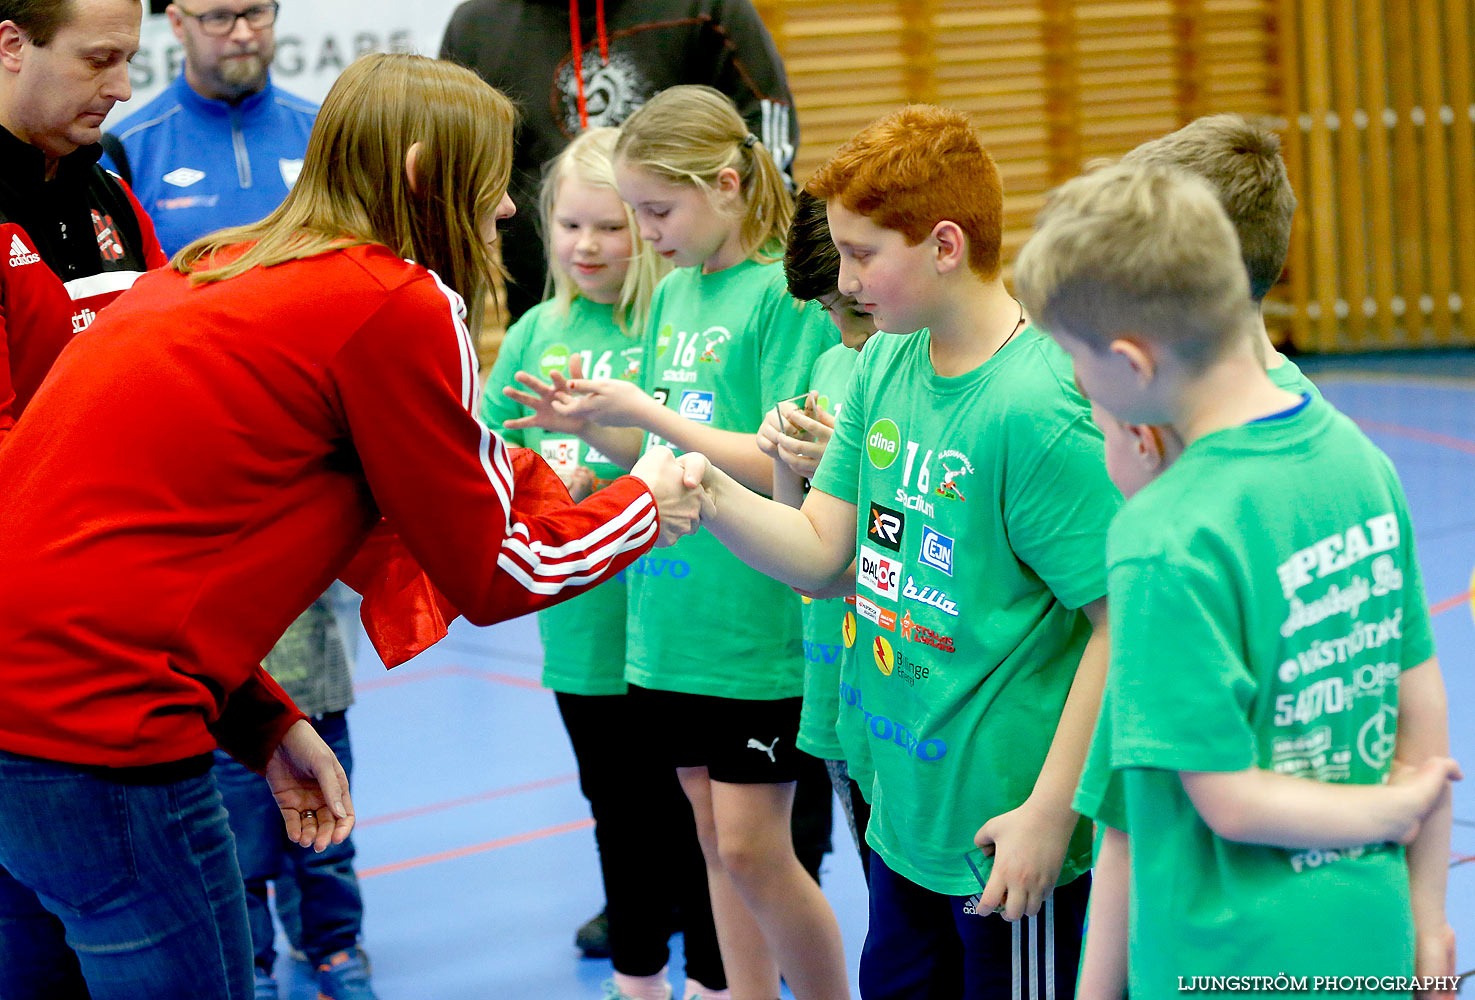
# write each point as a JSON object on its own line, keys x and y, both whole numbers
{"x": 1374, "y": 96}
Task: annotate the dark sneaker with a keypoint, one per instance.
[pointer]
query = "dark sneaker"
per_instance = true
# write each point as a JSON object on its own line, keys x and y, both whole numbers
{"x": 345, "y": 976}
{"x": 593, "y": 938}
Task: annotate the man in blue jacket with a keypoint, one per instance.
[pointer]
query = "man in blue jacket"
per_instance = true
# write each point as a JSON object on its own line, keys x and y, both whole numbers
{"x": 221, "y": 146}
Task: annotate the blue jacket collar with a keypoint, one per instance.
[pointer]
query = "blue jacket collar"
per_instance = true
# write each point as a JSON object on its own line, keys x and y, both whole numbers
{"x": 250, "y": 107}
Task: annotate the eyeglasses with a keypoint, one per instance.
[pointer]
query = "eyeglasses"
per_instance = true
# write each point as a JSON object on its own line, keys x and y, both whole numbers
{"x": 223, "y": 22}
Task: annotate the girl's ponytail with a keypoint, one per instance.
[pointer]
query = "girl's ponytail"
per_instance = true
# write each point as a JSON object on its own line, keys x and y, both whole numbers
{"x": 688, "y": 135}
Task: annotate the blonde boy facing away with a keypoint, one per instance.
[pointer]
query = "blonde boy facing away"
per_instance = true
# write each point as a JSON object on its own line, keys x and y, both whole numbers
{"x": 1272, "y": 663}
{"x": 1239, "y": 159}
{"x": 979, "y": 634}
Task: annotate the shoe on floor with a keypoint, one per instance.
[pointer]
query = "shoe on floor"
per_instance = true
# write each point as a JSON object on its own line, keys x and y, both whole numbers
{"x": 593, "y": 938}
{"x": 612, "y": 992}
{"x": 266, "y": 987}
{"x": 345, "y": 976}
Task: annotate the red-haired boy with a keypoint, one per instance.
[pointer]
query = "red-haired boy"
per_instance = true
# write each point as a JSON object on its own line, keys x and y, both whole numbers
{"x": 968, "y": 482}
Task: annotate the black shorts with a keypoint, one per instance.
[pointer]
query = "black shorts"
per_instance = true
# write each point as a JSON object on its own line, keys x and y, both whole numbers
{"x": 738, "y": 741}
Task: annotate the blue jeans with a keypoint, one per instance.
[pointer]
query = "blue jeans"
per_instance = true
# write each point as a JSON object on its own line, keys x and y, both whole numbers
{"x": 332, "y": 911}
{"x": 140, "y": 879}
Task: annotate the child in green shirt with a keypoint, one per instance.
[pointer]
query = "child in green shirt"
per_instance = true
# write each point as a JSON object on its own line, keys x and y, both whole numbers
{"x": 713, "y": 649}
{"x": 602, "y": 276}
{"x": 967, "y": 482}
{"x": 1240, "y": 161}
{"x": 1272, "y": 660}
{"x": 796, "y": 436}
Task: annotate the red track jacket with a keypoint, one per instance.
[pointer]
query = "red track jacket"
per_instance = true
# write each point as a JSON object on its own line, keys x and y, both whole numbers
{"x": 204, "y": 460}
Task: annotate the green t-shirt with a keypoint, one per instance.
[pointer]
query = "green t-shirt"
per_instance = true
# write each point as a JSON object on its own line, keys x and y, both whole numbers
{"x": 1099, "y": 794}
{"x": 722, "y": 349}
{"x": 583, "y": 638}
{"x": 824, "y": 621}
{"x": 1290, "y": 378}
{"x": 1265, "y": 600}
{"x": 982, "y": 503}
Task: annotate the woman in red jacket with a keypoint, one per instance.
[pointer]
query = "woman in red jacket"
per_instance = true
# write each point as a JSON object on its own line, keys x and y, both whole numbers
{"x": 198, "y": 466}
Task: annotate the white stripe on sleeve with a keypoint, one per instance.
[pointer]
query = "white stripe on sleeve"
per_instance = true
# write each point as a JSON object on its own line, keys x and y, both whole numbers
{"x": 463, "y": 341}
{"x": 538, "y": 567}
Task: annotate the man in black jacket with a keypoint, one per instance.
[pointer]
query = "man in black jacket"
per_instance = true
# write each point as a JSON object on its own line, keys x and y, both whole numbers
{"x": 528, "y": 50}
{"x": 72, "y": 236}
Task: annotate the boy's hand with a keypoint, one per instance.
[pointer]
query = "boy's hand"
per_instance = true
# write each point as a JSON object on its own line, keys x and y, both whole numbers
{"x": 676, "y": 485}
{"x": 542, "y": 398}
{"x": 1434, "y": 955}
{"x": 1028, "y": 846}
{"x": 1422, "y": 788}
{"x": 799, "y": 454}
{"x": 769, "y": 432}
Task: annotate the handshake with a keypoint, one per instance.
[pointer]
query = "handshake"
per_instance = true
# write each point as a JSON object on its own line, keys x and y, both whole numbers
{"x": 676, "y": 484}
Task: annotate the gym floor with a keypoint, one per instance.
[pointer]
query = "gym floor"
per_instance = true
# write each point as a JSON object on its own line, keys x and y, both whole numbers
{"x": 475, "y": 849}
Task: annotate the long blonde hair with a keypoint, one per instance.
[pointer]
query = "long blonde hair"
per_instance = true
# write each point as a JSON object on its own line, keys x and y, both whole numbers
{"x": 590, "y": 159}
{"x": 688, "y": 135}
{"x": 353, "y": 189}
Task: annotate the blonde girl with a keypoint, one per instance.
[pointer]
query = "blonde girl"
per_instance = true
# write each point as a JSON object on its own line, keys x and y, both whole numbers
{"x": 601, "y": 276}
{"x": 713, "y": 650}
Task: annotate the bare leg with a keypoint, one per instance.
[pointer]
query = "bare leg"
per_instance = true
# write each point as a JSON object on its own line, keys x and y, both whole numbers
{"x": 769, "y": 913}
{"x": 757, "y": 853}
{"x": 752, "y": 971}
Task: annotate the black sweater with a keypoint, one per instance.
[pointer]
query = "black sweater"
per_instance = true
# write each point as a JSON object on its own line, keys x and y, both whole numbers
{"x": 524, "y": 48}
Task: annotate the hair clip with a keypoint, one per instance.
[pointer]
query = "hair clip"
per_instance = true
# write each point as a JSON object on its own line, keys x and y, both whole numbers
{"x": 750, "y": 140}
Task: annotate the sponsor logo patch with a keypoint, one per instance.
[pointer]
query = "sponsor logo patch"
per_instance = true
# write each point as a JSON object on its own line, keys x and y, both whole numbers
{"x": 913, "y": 632}
{"x": 109, "y": 247}
{"x": 20, "y": 256}
{"x": 554, "y": 359}
{"x": 885, "y": 527}
{"x": 187, "y": 201}
{"x": 930, "y": 596}
{"x": 881, "y": 574}
{"x": 883, "y": 442}
{"x": 885, "y": 658}
{"x": 290, "y": 169}
{"x": 697, "y": 405}
{"x": 914, "y": 502}
{"x": 949, "y": 488}
{"x": 847, "y": 629}
{"x": 937, "y": 550}
{"x": 875, "y": 614}
{"x": 560, "y": 453}
{"x": 183, "y": 176}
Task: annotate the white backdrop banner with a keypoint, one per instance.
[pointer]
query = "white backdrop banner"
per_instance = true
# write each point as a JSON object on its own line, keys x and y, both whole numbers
{"x": 316, "y": 39}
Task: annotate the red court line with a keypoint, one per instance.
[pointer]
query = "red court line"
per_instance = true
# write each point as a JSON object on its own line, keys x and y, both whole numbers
{"x": 496, "y": 793}
{"x": 450, "y": 670}
{"x": 1448, "y": 603}
{"x": 1417, "y": 434}
{"x": 461, "y": 852}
